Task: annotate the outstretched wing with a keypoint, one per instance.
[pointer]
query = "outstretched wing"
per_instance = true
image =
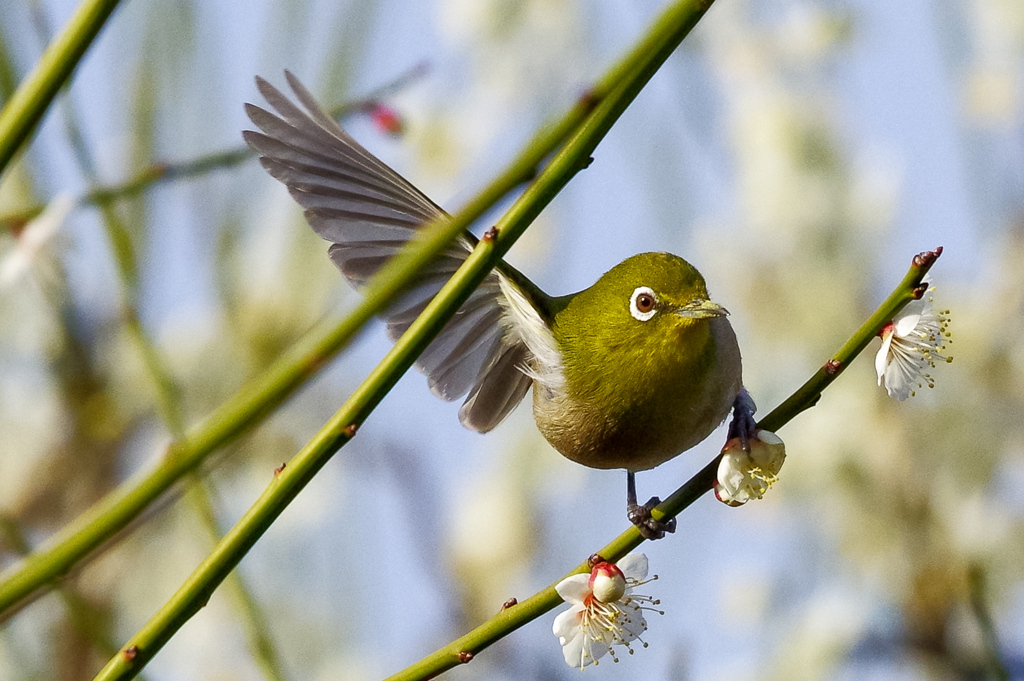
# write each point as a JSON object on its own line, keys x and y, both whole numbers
{"x": 369, "y": 212}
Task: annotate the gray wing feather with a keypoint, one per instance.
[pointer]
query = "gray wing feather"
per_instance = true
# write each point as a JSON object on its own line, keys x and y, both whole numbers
{"x": 370, "y": 212}
{"x": 499, "y": 388}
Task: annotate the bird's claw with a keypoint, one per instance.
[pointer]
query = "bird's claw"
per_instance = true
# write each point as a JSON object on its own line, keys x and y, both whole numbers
{"x": 743, "y": 425}
{"x": 649, "y": 527}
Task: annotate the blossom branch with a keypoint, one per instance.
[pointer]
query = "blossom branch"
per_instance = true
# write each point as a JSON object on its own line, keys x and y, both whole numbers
{"x": 509, "y": 619}
{"x": 911, "y": 288}
{"x": 197, "y": 167}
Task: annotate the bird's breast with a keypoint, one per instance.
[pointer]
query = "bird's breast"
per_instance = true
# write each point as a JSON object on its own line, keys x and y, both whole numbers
{"x": 652, "y": 402}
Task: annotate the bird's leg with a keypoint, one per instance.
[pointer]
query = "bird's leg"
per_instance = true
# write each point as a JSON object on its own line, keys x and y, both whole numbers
{"x": 641, "y": 515}
{"x": 743, "y": 425}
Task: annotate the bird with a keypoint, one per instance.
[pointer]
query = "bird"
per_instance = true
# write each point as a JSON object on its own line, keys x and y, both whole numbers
{"x": 628, "y": 373}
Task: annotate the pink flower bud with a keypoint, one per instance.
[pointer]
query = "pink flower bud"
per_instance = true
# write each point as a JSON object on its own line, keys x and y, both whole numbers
{"x": 607, "y": 582}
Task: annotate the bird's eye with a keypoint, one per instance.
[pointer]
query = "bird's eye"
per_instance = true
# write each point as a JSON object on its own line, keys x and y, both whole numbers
{"x": 643, "y": 303}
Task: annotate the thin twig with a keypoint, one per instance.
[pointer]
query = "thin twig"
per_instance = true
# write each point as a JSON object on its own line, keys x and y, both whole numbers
{"x": 167, "y": 394}
{"x": 219, "y": 160}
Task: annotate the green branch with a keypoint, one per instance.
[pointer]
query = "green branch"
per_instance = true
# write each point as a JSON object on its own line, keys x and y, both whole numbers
{"x": 996, "y": 667}
{"x": 32, "y": 98}
{"x": 463, "y": 650}
{"x": 250, "y": 616}
{"x": 665, "y": 35}
{"x": 91, "y": 622}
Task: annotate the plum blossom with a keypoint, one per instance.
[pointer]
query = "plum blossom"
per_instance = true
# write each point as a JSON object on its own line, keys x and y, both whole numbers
{"x": 604, "y": 612}
{"x": 911, "y": 345}
{"x": 742, "y": 475}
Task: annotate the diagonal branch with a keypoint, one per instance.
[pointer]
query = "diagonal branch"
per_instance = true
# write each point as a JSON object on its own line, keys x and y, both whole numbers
{"x": 34, "y": 95}
{"x": 463, "y": 650}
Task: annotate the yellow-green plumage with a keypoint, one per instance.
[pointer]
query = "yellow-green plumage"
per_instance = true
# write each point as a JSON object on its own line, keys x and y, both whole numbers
{"x": 637, "y": 393}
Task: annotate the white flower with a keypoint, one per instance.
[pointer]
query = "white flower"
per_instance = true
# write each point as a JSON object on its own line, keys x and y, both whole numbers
{"x": 603, "y": 612}
{"x": 911, "y": 344}
{"x": 743, "y": 476}
{"x": 33, "y": 238}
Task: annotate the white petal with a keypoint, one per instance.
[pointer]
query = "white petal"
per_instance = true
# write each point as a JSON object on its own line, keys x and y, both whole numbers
{"x": 567, "y": 624}
{"x": 634, "y": 566}
{"x": 769, "y": 438}
{"x": 582, "y": 650}
{"x": 769, "y": 452}
{"x": 904, "y": 325}
{"x": 574, "y": 589}
{"x": 572, "y": 651}
{"x": 596, "y": 648}
{"x": 897, "y": 382}
{"x": 731, "y": 471}
{"x": 882, "y": 358}
{"x": 632, "y": 622}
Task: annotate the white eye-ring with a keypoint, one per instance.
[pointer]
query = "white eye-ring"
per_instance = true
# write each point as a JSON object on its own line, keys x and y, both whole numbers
{"x": 643, "y": 304}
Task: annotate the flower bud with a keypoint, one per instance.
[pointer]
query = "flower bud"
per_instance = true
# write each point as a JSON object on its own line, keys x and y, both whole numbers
{"x": 607, "y": 582}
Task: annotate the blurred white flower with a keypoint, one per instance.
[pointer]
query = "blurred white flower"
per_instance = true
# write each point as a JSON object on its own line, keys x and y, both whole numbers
{"x": 743, "y": 476}
{"x": 37, "y": 233}
{"x": 603, "y": 612}
{"x": 911, "y": 343}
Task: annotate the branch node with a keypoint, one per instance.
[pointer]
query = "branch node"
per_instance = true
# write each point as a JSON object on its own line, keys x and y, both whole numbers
{"x": 589, "y": 99}
{"x": 130, "y": 653}
{"x": 464, "y": 656}
{"x": 350, "y": 430}
{"x": 594, "y": 560}
{"x": 509, "y": 603}
{"x": 833, "y": 366}
{"x": 490, "y": 235}
{"x": 926, "y": 258}
{"x": 919, "y": 291}
{"x": 279, "y": 469}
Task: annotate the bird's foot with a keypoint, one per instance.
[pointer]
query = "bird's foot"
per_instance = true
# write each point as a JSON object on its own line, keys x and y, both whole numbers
{"x": 743, "y": 425}
{"x": 649, "y": 527}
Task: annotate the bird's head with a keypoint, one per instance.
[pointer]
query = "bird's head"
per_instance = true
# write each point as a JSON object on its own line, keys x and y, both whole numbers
{"x": 648, "y": 308}
{"x": 655, "y": 293}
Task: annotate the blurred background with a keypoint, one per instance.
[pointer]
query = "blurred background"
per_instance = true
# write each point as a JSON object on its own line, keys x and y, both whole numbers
{"x": 798, "y": 152}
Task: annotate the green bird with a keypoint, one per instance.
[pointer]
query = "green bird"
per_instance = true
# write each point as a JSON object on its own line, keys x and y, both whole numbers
{"x": 628, "y": 373}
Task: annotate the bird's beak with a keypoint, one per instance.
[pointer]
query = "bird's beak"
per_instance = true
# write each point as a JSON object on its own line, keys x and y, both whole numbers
{"x": 701, "y": 309}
